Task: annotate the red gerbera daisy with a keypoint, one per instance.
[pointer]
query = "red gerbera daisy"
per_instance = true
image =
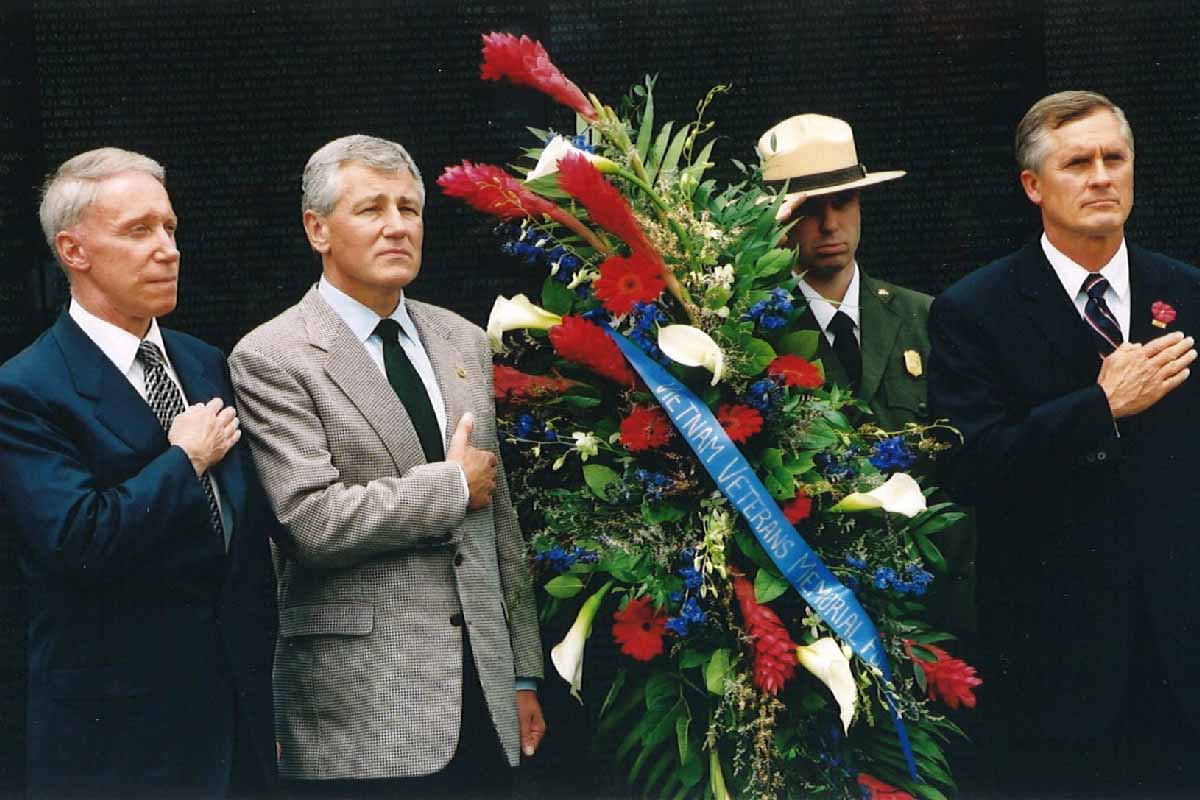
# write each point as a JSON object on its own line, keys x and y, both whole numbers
{"x": 952, "y": 679}
{"x": 739, "y": 421}
{"x": 585, "y": 343}
{"x": 795, "y": 371}
{"x": 646, "y": 428}
{"x": 513, "y": 386}
{"x": 639, "y": 629}
{"x": 524, "y": 61}
{"x": 798, "y": 508}
{"x": 876, "y": 789}
{"x": 625, "y": 281}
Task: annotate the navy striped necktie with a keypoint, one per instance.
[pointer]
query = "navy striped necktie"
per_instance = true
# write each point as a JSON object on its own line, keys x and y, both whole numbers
{"x": 1100, "y": 319}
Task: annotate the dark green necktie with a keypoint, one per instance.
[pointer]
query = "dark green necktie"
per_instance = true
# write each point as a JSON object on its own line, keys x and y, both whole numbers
{"x": 403, "y": 377}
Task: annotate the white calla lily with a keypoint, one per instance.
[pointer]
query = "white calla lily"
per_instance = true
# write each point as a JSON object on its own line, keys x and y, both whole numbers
{"x": 558, "y": 148}
{"x": 900, "y": 495}
{"x": 508, "y": 315}
{"x": 827, "y": 660}
{"x": 692, "y": 347}
{"x": 567, "y": 655}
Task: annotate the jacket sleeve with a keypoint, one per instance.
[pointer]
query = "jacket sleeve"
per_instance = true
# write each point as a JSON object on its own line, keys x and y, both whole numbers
{"x": 1006, "y": 448}
{"x": 512, "y": 555}
{"x": 331, "y": 523}
{"x": 72, "y": 519}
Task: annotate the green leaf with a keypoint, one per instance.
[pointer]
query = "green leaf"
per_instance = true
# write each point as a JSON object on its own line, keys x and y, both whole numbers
{"x": 564, "y": 586}
{"x": 799, "y": 343}
{"x": 759, "y": 354}
{"x": 941, "y": 522}
{"x": 613, "y": 692}
{"x": 599, "y": 478}
{"x": 656, "y": 152}
{"x": 647, "y": 128}
{"x": 714, "y": 674}
{"x": 772, "y": 458}
{"x": 692, "y": 771}
{"x": 751, "y": 549}
{"x": 664, "y": 512}
{"x": 661, "y": 690}
{"x": 768, "y": 586}
{"x": 693, "y": 658}
{"x": 665, "y": 727}
{"x": 576, "y": 401}
{"x": 681, "y": 736}
{"x": 671, "y": 159}
{"x": 556, "y": 297}
{"x": 546, "y": 186}
{"x": 716, "y": 296}
{"x": 772, "y": 261}
{"x": 930, "y": 552}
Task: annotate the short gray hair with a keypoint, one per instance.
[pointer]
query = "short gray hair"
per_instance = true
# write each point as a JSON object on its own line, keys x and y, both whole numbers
{"x": 72, "y": 187}
{"x": 321, "y": 182}
{"x": 1051, "y": 113}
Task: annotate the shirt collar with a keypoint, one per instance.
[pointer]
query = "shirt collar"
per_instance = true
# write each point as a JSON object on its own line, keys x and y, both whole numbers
{"x": 118, "y": 344}
{"x": 361, "y": 320}
{"x": 1072, "y": 275}
{"x": 824, "y": 310}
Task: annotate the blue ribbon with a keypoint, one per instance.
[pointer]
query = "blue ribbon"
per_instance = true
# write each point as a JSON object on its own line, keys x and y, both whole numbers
{"x": 834, "y": 603}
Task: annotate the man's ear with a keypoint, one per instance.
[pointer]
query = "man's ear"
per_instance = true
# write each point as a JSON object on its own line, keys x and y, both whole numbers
{"x": 317, "y": 230}
{"x": 72, "y": 254}
{"x": 1031, "y": 185}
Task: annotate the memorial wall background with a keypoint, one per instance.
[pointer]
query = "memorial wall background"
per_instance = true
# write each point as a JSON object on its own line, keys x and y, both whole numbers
{"x": 232, "y": 97}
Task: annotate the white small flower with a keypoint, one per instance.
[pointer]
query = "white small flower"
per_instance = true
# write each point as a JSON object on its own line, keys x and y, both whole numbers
{"x": 692, "y": 347}
{"x": 828, "y": 661}
{"x": 900, "y": 495}
{"x": 586, "y": 444}
{"x": 517, "y": 313}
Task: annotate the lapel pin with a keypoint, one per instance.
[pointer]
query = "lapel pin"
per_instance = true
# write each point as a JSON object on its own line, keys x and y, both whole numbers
{"x": 912, "y": 363}
{"x": 1163, "y": 314}
{"x": 462, "y": 372}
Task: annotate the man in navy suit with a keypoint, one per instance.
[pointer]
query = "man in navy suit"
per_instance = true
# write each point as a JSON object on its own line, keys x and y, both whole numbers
{"x": 1066, "y": 368}
{"x": 143, "y": 528}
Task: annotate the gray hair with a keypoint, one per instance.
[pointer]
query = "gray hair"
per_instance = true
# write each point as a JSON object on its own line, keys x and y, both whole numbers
{"x": 321, "y": 183}
{"x": 72, "y": 188}
{"x": 1051, "y": 113}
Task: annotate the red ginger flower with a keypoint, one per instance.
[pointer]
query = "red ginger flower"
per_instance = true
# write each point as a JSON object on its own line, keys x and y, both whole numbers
{"x": 795, "y": 371}
{"x": 875, "y": 789}
{"x": 740, "y": 422}
{"x": 587, "y": 344}
{"x": 774, "y": 650}
{"x": 646, "y": 428}
{"x": 606, "y": 206}
{"x": 625, "y": 281}
{"x": 798, "y": 508}
{"x": 513, "y": 386}
{"x": 952, "y": 678}
{"x": 526, "y": 63}
{"x": 490, "y": 189}
{"x": 639, "y": 629}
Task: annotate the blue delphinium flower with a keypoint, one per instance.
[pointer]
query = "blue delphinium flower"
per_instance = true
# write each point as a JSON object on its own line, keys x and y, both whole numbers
{"x": 536, "y": 246}
{"x": 653, "y": 483}
{"x": 772, "y": 313}
{"x": 764, "y": 395}
{"x": 678, "y": 626}
{"x": 692, "y": 579}
{"x": 560, "y": 560}
{"x": 884, "y": 577}
{"x": 833, "y": 467}
{"x": 599, "y": 316}
{"x": 529, "y": 427}
{"x": 854, "y": 561}
{"x": 892, "y": 454}
{"x": 646, "y": 317}
{"x": 690, "y": 615}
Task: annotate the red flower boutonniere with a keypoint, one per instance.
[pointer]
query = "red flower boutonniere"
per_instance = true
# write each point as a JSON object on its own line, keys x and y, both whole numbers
{"x": 1163, "y": 314}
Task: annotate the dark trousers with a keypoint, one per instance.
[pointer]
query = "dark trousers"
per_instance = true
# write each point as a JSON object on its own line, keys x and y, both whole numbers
{"x": 478, "y": 769}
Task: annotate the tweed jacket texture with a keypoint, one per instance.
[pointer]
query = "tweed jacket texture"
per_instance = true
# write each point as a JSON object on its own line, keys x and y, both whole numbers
{"x": 381, "y": 561}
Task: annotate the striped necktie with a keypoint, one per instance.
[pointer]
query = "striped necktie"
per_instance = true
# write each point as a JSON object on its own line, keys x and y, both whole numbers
{"x": 166, "y": 401}
{"x": 1100, "y": 319}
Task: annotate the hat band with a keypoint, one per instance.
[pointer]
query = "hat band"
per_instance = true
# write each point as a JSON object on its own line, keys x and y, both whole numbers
{"x": 822, "y": 179}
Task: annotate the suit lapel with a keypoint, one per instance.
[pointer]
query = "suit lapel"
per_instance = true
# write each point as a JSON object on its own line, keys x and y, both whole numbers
{"x": 199, "y": 386}
{"x": 1148, "y": 283}
{"x": 448, "y": 365}
{"x": 1054, "y": 316}
{"x": 119, "y": 407}
{"x": 879, "y": 325}
{"x": 350, "y": 367}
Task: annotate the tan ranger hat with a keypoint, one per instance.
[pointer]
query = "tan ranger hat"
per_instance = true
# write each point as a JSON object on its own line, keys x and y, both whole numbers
{"x": 815, "y": 154}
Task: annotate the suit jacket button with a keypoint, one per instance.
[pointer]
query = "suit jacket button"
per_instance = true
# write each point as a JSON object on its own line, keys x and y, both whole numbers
{"x": 1101, "y": 455}
{"x": 458, "y": 559}
{"x": 456, "y": 620}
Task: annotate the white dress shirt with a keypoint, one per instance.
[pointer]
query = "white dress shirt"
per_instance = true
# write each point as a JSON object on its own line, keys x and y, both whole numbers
{"x": 121, "y": 347}
{"x": 1116, "y": 271}
{"x": 362, "y": 322}
{"x": 824, "y": 310}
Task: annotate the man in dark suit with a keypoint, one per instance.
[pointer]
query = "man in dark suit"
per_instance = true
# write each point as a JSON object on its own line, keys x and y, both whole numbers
{"x": 1065, "y": 367}
{"x": 143, "y": 528}
{"x": 873, "y": 333}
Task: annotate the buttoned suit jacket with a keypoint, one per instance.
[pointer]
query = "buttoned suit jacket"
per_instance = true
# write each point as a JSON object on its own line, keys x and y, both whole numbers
{"x": 1085, "y": 525}
{"x": 379, "y": 556}
{"x": 142, "y": 629}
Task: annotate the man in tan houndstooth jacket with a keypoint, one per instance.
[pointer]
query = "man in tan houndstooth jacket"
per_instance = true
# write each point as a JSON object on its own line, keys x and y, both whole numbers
{"x": 408, "y": 641}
